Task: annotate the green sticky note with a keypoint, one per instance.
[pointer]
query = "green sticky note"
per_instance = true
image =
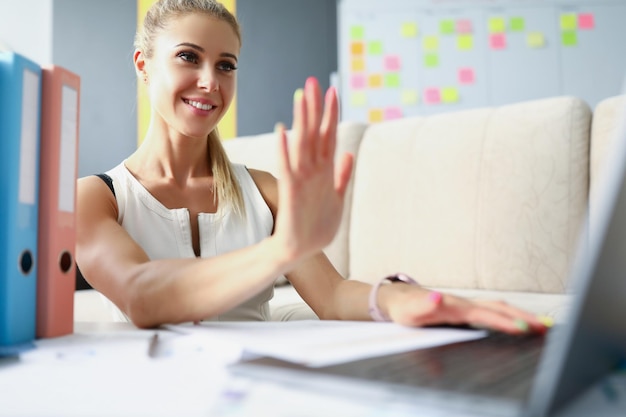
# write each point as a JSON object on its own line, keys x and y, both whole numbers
{"x": 408, "y": 30}
{"x": 446, "y": 27}
{"x": 449, "y": 95}
{"x": 497, "y": 25}
{"x": 431, "y": 60}
{"x": 392, "y": 80}
{"x": 517, "y": 24}
{"x": 430, "y": 43}
{"x": 569, "y": 38}
{"x": 465, "y": 42}
{"x": 535, "y": 40}
{"x": 357, "y": 32}
{"x": 358, "y": 99}
{"x": 409, "y": 97}
{"x": 375, "y": 48}
{"x": 569, "y": 21}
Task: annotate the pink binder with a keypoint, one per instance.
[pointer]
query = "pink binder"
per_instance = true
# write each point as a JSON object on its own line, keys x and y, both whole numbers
{"x": 56, "y": 276}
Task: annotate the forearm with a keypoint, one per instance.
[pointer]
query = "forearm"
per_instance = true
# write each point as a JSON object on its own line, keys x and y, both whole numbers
{"x": 351, "y": 300}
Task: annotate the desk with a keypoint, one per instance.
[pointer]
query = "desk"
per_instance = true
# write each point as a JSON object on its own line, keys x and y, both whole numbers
{"x": 103, "y": 369}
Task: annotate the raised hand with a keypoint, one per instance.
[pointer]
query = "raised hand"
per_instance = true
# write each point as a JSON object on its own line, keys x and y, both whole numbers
{"x": 311, "y": 188}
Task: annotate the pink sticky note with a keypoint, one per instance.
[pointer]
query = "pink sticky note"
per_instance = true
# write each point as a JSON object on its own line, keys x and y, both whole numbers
{"x": 464, "y": 26}
{"x": 392, "y": 63}
{"x": 432, "y": 96}
{"x": 357, "y": 81}
{"x": 393, "y": 113}
{"x": 466, "y": 75}
{"x": 586, "y": 21}
{"x": 497, "y": 41}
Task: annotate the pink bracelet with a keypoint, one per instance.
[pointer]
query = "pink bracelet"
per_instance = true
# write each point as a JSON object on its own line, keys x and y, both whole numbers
{"x": 374, "y": 311}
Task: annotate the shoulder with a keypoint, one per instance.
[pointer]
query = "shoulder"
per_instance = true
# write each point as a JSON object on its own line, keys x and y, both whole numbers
{"x": 267, "y": 185}
{"x": 94, "y": 194}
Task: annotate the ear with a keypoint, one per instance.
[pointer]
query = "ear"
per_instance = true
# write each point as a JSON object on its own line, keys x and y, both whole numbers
{"x": 139, "y": 60}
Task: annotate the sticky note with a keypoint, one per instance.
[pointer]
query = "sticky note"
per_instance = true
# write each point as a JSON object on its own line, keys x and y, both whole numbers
{"x": 409, "y": 97}
{"x": 517, "y": 24}
{"x": 432, "y": 96}
{"x": 375, "y": 81}
{"x": 449, "y": 95}
{"x": 464, "y": 26}
{"x": 375, "y": 115}
{"x": 569, "y": 21}
{"x": 357, "y": 32}
{"x": 466, "y": 75}
{"x": 497, "y": 41}
{"x": 569, "y": 38}
{"x": 431, "y": 60}
{"x": 586, "y": 21}
{"x": 358, "y": 99}
{"x": 497, "y": 25}
{"x": 375, "y": 48}
{"x": 392, "y": 63}
{"x": 393, "y": 113}
{"x": 357, "y": 65}
{"x": 357, "y": 82}
{"x": 430, "y": 43}
{"x": 408, "y": 30}
{"x": 392, "y": 80}
{"x": 357, "y": 48}
{"x": 465, "y": 42}
{"x": 535, "y": 40}
{"x": 446, "y": 27}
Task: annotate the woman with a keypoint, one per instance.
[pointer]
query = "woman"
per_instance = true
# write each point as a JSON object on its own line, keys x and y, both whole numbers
{"x": 177, "y": 233}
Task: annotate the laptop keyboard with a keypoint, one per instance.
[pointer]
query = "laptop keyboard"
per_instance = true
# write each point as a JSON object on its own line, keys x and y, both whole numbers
{"x": 499, "y": 365}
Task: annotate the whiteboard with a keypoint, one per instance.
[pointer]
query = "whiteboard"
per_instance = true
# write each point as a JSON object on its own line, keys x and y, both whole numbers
{"x": 401, "y": 58}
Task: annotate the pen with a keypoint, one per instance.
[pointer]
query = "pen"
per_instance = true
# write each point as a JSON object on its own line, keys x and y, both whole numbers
{"x": 152, "y": 346}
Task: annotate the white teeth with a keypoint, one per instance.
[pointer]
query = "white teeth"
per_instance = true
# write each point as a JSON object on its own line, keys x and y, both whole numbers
{"x": 199, "y": 105}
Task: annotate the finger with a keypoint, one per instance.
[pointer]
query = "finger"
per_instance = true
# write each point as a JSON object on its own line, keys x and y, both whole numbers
{"x": 329, "y": 124}
{"x": 314, "y": 112}
{"x": 533, "y": 321}
{"x": 343, "y": 173}
{"x": 284, "y": 165}
{"x": 493, "y": 319}
{"x": 300, "y": 149}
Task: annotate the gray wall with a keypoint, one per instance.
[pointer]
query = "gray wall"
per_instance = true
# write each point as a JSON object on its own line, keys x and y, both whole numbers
{"x": 284, "y": 42}
{"x": 95, "y": 40}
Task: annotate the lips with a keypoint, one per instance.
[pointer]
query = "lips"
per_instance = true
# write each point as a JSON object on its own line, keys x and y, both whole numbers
{"x": 198, "y": 105}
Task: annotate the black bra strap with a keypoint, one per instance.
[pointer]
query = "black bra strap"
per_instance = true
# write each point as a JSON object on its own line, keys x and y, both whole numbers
{"x": 108, "y": 181}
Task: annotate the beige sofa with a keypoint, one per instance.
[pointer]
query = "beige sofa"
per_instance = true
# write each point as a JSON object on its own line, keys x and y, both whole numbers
{"x": 485, "y": 203}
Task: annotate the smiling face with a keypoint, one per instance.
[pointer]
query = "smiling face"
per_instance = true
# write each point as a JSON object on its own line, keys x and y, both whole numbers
{"x": 191, "y": 74}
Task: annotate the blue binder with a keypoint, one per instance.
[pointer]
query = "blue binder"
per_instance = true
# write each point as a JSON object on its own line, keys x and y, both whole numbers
{"x": 20, "y": 109}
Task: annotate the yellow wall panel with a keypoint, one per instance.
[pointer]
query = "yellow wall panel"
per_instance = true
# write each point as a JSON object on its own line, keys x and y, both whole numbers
{"x": 227, "y": 127}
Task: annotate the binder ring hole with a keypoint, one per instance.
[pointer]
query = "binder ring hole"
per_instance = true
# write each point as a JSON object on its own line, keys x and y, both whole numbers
{"x": 26, "y": 262}
{"x": 65, "y": 262}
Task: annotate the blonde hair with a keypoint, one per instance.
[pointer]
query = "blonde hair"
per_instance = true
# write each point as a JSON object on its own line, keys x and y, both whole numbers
{"x": 227, "y": 190}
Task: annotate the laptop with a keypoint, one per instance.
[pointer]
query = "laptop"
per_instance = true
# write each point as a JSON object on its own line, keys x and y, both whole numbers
{"x": 530, "y": 376}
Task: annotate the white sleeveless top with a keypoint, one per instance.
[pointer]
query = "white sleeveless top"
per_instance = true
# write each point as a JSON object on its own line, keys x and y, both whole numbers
{"x": 166, "y": 233}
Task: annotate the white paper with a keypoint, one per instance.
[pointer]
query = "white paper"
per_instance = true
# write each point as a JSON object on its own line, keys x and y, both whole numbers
{"x": 317, "y": 343}
{"x": 67, "y": 155}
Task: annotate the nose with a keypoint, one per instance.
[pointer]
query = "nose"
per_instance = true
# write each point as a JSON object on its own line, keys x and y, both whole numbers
{"x": 208, "y": 80}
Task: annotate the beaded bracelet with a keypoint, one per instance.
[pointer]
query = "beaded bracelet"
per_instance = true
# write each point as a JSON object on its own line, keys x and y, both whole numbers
{"x": 374, "y": 311}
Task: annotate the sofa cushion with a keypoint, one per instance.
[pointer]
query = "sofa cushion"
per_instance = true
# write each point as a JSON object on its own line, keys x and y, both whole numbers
{"x": 490, "y": 198}
{"x": 261, "y": 152}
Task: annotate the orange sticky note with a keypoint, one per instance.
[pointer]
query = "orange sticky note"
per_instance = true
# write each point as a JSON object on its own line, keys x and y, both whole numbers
{"x": 375, "y": 81}
{"x": 357, "y": 48}
{"x": 376, "y": 115}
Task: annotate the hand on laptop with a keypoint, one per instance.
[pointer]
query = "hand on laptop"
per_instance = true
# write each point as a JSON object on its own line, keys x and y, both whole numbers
{"x": 417, "y": 306}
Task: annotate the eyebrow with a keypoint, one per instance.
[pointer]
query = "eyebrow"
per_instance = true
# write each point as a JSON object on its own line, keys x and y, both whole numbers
{"x": 201, "y": 49}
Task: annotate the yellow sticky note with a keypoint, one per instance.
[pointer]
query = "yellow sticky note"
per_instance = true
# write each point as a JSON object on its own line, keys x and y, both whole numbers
{"x": 375, "y": 81}
{"x": 375, "y": 48}
{"x": 430, "y": 43}
{"x": 376, "y": 115}
{"x": 449, "y": 94}
{"x": 569, "y": 21}
{"x": 408, "y": 30}
{"x": 497, "y": 25}
{"x": 535, "y": 40}
{"x": 392, "y": 80}
{"x": 358, "y": 99}
{"x": 465, "y": 42}
{"x": 358, "y": 65}
{"x": 409, "y": 97}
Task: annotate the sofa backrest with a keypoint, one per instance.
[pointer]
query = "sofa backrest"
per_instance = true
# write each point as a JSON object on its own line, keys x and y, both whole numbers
{"x": 491, "y": 198}
{"x": 261, "y": 152}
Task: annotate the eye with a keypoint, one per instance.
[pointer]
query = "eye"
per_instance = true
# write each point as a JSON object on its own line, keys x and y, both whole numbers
{"x": 188, "y": 57}
{"x": 226, "y": 66}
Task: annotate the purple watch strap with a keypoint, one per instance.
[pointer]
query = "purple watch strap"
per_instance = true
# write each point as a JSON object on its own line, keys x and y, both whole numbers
{"x": 374, "y": 311}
